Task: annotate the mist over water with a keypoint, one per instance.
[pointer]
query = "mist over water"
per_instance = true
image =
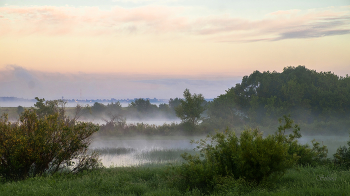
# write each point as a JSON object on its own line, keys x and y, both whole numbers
{"x": 140, "y": 151}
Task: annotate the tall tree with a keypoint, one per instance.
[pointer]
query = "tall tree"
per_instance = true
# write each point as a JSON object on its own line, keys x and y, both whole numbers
{"x": 191, "y": 108}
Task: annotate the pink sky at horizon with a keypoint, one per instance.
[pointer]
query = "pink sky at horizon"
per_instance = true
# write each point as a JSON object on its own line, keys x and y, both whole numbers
{"x": 68, "y": 39}
{"x": 162, "y": 41}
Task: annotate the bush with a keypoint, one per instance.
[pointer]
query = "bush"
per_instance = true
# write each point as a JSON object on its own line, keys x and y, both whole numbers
{"x": 250, "y": 158}
{"x": 48, "y": 144}
{"x": 342, "y": 157}
{"x": 307, "y": 156}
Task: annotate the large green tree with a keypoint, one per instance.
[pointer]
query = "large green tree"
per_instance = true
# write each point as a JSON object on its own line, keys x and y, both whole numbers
{"x": 301, "y": 92}
{"x": 191, "y": 108}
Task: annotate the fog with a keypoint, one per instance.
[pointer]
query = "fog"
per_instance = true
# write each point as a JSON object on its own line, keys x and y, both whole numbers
{"x": 143, "y": 150}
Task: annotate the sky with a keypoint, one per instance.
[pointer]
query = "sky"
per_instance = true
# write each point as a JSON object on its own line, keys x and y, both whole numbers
{"x": 156, "y": 48}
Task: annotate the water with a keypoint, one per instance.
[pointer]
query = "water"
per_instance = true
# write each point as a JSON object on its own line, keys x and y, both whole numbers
{"x": 118, "y": 152}
{"x": 134, "y": 152}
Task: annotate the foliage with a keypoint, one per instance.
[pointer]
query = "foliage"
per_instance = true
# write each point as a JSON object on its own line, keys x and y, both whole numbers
{"x": 39, "y": 144}
{"x": 307, "y": 156}
{"x": 157, "y": 180}
{"x": 143, "y": 106}
{"x": 98, "y": 108}
{"x": 191, "y": 108}
{"x": 224, "y": 108}
{"x": 20, "y": 109}
{"x": 173, "y": 103}
{"x": 164, "y": 108}
{"x": 249, "y": 158}
{"x": 49, "y": 107}
{"x": 120, "y": 128}
{"x": 342, "y": 156}
{"x": 305, "y": 94}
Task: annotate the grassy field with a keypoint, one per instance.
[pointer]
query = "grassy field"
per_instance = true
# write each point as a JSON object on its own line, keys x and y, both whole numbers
{"x": 154, "y": 179}
{"x": 153, "y": 176}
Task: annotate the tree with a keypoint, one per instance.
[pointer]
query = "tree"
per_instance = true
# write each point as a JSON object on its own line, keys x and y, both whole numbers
{"x": 173, "y": 103}
{"x": 191, "y": 108}
{"x": 98, "y": 108}
{"x": 20, "y": 109}
{"x": 224, "y": 107}
{"x": 142, "y": 105}
{"x": 49, "y": 107}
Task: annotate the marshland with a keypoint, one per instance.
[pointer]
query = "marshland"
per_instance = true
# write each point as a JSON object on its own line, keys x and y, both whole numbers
{"x": 272, "y": 134}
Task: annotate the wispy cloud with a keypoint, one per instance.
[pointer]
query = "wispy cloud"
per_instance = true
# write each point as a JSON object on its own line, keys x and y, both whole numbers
{"x": 278, "y": 25}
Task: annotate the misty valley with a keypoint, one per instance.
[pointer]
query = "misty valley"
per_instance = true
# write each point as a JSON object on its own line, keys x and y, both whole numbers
{"x": 273, "y": 133}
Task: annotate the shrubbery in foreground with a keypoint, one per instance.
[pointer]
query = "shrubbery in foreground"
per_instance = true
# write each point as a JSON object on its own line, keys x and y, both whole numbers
{"x": 226, "y": 159}
{"x": 47, "y": 144}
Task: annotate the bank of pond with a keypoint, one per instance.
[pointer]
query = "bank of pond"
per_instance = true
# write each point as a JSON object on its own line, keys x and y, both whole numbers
{"x": 157, "y": 179}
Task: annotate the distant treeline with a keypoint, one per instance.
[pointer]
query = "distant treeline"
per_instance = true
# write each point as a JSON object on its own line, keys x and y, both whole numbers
{"x": 305, "y": 94}
{"x": 316, "y": 100}
{"x": 137, "y": 109}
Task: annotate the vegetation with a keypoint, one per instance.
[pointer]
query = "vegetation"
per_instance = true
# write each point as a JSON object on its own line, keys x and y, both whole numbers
{"x": 156, "y": 180}
{"x": 306, "y": 94}
{"x": 44, "y": 141}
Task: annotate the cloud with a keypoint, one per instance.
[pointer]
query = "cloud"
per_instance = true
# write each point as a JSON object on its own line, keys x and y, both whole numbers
{"x": 160, "y": 20}
{"x": 70, "y": 20}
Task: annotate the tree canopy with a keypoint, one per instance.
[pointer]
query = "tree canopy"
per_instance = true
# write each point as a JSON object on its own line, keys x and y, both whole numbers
{"x": 302, "y": 92}
{"x": 191, "y": 108}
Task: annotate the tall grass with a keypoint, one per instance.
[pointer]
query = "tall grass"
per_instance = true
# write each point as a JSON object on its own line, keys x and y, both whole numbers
{"x": 155, "y": 179}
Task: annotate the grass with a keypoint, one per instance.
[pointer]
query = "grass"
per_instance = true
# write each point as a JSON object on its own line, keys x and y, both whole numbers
{"x": 153, "y": 180}
{"x": 114, "y": 151}
{"x": 163, "y": 155}
{"x": 121, "y": 156}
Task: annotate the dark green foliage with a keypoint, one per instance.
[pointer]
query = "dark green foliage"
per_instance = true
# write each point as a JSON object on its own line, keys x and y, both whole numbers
{"x": 250, "y": 158}
{"x": 342, "y": 156}
{"x": 173, "y": 103}
{"x": 50, "y": 107}
{"x": 305, "y": 94}
{"x": 164, "y": 108}
{"x": 143, "y": 106}
{"x": 307, "y": 156}
{"x": 20, "y": 109}
{"x": 39, "y": 144}
{"x": 191, "y": 108}
{"x": 98, "y": 108}
{"x": 224, "y": 112}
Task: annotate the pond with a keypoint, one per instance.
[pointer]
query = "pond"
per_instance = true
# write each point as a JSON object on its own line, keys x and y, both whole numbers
{"x": 133, "y": 152}
{"x": 121, "y": 152}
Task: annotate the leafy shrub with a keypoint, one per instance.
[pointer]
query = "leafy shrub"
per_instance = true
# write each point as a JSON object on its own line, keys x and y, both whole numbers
{"x": 36, "y": 145}
{"x": 314, "y": 156}
{"x": 250, "y": 158}
{"x": 342, "y": 156}
{"x": 307, "y": 156}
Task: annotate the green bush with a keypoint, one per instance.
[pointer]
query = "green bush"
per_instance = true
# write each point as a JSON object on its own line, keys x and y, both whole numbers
{"x": 307, "y": 156}
{"x": 48, "y": 144}
{"x": 342, "y": 157}
{"x": 250, "y": 158}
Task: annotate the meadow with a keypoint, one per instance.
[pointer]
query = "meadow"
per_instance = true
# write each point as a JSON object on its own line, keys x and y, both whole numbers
{"x": 156, "y": 179}
{"x": 144, "y": 166}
